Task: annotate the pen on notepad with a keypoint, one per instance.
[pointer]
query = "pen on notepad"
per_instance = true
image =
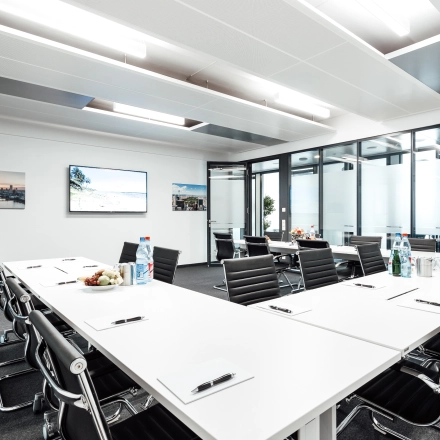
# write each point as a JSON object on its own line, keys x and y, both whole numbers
{"x": 93, "y": 265}
{"x": 124, "y": 321}
{"x": 33, "y": 267}
{"x": 65, "y": 282}
{"x": 365, "y": 285}
{"x": 428, "y": 302}
{"x": 69, "y": 259}
{"x": 211, "y": 383}
{"x": 280, "y": 309}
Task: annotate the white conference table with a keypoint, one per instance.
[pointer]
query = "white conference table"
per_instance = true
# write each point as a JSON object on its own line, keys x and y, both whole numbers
{"x": 367, "y": 314}
{"x": 294, "y": 388}
{"x": 340, "y": 252}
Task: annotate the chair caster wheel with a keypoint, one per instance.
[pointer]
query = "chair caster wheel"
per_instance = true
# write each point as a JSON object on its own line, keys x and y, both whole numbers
{"x": 38, "y": 404}
{"x": 3, "y": 339}
{"x": 49, "y": 431}
{"x": 50, "y": 426}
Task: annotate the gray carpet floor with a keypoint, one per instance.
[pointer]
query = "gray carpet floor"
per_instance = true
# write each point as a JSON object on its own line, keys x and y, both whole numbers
{"x": 24, "y": 425}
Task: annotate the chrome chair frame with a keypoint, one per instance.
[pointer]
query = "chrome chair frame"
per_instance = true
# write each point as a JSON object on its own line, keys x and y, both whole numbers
{"x": 378, "y": 410}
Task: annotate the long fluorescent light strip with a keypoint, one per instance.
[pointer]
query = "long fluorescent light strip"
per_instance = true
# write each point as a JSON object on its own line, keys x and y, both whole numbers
{"x": 80, "y": 23}
{"x": 302, "y": 102}
{"x": 134, "y": 118}
{"x": 147, "y": 114}
{"x": 385, "y": 17}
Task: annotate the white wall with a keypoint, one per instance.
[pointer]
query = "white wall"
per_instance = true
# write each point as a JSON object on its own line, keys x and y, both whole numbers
{"x": 348, "y": 127}
{"x": 46, "y": 229}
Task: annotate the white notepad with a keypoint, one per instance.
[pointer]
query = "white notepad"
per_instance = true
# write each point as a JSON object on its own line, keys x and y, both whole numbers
{"x": 57, "y": 283}
{"x": 182, "y": 382}
{"x": 295, "y": 310}
{"x": 105, "y": 322}
{"x": 352, "y": 284}
{"x": 412, "y": 304}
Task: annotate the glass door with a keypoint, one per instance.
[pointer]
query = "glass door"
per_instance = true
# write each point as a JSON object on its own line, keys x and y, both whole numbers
{"x": 226, "y": 203}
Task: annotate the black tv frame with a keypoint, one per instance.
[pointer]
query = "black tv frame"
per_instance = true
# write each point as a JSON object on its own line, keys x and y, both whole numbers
{"x": 111, "y": 212}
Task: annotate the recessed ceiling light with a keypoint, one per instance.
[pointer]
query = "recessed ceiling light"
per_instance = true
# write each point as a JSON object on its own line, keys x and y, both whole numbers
{"x": 302, "y": 158}
{"x": 302, "y": 102}
{"x": 316, "y": 157}
{"x": 147, "y": 114}
{"x": 80, "y": 23}
{"x": 371, "y": 148}
{"x": 392, "y": 19}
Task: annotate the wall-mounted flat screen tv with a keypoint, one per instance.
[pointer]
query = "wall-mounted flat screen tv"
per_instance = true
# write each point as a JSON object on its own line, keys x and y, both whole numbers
{"x": 107, "y": 190}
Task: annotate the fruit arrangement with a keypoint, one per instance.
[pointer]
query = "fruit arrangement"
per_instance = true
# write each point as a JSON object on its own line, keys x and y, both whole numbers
{"x": 103, "y": 277}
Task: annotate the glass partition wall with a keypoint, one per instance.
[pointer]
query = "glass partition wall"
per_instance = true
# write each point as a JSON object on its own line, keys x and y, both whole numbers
{"x": 385, "y": 182}
{"x": 304, "y": 190}
{"x": 427, "y": 184}
{"x": 339, "y": 192}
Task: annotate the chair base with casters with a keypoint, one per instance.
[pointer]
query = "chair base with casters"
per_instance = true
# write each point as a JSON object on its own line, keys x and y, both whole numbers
{"x": 225, "y": 250}
{"x": 406, "y": 391}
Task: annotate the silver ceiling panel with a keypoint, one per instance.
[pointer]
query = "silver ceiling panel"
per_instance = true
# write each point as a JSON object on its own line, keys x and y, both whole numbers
{"x": 44, "y": 94}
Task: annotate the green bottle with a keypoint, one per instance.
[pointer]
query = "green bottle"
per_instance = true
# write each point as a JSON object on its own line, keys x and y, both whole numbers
{"x": 396, "y": 264}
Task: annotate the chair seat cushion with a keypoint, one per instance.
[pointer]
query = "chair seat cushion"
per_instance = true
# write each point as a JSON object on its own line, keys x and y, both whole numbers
{"x": 156, "y": 423}
{"x": 404, "y": 395}
{"x": 433, "y": 344}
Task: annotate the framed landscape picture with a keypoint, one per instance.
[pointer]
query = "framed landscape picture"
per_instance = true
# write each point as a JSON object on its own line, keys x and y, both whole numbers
{"x": 12, "y": 190}
{"x": 188, "y": 197}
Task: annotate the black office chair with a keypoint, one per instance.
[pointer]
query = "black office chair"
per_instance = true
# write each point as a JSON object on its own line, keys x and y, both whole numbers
{"x": 222, "y": 235}
{"x": 82, "y": 416}
{"x": 423, "y": 244}
{"x": 407, "y": 391}
{"x": 275, "y": 236}
{"x": 225, "y": 251}
{"x": 128, "y": 254}
{"x": 371, "y": 259}
{"x": 317, "y": 268}
{"x": 110, "y": 382}
{"x": 258, "y": 246}
{"x": 312, "y": 244}
{"x": 356, "y": 240}
{"x": 165, "y": 264}
{"x": 251, "y": 280}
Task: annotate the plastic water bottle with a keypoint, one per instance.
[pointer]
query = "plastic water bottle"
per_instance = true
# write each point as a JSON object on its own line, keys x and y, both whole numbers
{"x": 141, "y": 263}
{"x": 396, "y": 246}
{"x": 405, "y": 257}
{"x": 312, "y": 232}
{"x": 149, "y": 254}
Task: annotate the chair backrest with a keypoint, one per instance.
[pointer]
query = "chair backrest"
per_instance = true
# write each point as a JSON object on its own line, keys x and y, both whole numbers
{"x": 71, "y": 376}
{"x": 128, "y": 254}
{"x": 256, "y": 246}
{"x": 371, "y": 258}
{"x": 251, "y": 280}
{"x": 317, "y": 268}
{"x": 222, "y": 235}
{"x": 312, "y": 244}
{"x": 422, "y": 244}
{"x": 165, "y": 264}
{"x": 20, "y": 307}
{"x": 225, "y": 249}
{"x": 365, "y": 239}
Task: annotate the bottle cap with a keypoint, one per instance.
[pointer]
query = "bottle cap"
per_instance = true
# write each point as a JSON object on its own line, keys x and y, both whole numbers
{"x": 147, "y": 237}
{"x": 405, "y": 234}
{"x": 142, "y": 239}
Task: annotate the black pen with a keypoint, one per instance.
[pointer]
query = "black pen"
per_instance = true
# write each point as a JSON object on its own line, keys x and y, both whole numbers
{"x": 69, "y": 259}
{"x": 427, "y": 302}
{"x": 66, "y": 282}
{"x": 33, "y": 267}
{"x": 94, "y": 265}
{"x": 365, "y": 285}
{"x": 280, "y": 309}
{"x": 124, "y": 321}
{"x": 211, "y": 383}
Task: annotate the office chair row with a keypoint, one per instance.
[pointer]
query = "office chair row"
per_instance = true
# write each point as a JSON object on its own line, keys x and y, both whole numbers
{"x": 407, "y": 390}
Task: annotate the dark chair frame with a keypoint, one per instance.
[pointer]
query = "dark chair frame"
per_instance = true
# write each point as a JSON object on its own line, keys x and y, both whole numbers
{"x": 128, "y": 253}
{"x": 220, "y": 257}
{"x": 423, "y": 244}
{"x": 374, "y": 249}
{"x": 172, "y": 256}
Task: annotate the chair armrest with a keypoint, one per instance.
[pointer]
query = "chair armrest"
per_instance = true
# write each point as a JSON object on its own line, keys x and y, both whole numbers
{"x": 13, "y": 313}
{"x": 425, "y": 379}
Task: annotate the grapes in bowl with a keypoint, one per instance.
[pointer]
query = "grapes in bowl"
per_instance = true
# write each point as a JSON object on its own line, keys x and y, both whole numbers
{"x": 103, "y": 278}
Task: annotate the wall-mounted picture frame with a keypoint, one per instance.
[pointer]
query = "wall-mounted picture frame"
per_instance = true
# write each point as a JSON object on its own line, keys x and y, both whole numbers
{"x": 12, "y": 190}
{"x": 189, "y": 197}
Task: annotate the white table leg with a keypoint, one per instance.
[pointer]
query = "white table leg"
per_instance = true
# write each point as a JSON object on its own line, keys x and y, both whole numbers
{"x": 309, "y": 431}
{"x": 327, "y": 424}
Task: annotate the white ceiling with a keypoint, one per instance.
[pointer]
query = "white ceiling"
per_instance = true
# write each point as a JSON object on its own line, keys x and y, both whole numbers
{"x": 285, "y": 41}
{"x": 423, "y": 17}
{"x": 249, "y": 50}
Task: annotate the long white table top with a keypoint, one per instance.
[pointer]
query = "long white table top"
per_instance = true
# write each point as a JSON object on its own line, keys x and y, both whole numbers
{"x": 368, "y": 314}
{"x": 341, "y": 252}
{"x": 297, "y": 376}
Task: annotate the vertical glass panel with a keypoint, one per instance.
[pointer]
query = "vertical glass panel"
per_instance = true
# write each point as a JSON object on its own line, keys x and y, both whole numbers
{"x": 385, "y": 167}
{"x": 265, "y": 197}
{"x": 339, "y": 193}
{"x": 427, "y": 182}
{"x": 227, "y": 202}
{"x": 304, "y": 190}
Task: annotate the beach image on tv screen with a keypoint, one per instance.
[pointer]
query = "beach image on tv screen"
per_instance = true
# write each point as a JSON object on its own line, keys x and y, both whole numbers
{"x": 106, "y": 190}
